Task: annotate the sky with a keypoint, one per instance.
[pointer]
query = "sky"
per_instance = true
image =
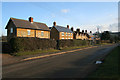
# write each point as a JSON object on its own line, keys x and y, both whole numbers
{"x": 84, "y": 15}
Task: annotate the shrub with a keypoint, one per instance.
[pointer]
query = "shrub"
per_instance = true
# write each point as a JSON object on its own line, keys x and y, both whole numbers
{"x": 30, "y": 44}
{"x": 70, "y": 43}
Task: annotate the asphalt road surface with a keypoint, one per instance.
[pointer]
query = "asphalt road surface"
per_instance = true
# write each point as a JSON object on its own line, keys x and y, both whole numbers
{"x": 72, "y": 65}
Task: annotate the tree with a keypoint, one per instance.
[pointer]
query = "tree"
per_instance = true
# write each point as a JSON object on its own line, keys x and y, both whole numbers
{"x": 105, "y": 35}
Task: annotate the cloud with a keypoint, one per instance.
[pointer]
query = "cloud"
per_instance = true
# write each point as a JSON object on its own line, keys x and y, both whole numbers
{"x": 108, "y": 27}
{"x": 65, "y": 10}
{"x": 102, "y": 27}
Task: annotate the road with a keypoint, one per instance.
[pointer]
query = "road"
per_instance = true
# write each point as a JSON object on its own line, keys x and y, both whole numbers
{"x": 71, "y": 65}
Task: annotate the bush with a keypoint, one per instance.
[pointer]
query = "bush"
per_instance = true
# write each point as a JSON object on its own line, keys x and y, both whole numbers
{"x": 71, "y": 43}
{"x": 30, "y": 44}
{"x": 6, "y": 48}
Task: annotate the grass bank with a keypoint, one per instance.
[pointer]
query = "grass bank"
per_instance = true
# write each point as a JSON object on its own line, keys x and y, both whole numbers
{"x": 46, "y": 51}
{"x": 51, "y": 50}
{"x": 109, "y": 69}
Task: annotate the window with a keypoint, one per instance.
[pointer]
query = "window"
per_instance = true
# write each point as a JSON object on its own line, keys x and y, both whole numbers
{"x": 11, "y": 30}
{"x": 42, "y": 33}
{"x": 62, "y": 33}
{"x": 28, "y": 32}
{"x": 68, "y": 38}
{"x": 62, "y": 38}
{"x": 71, "y": 34}
{"x": 66, "y": 33}
{"x": 38, "y": 33}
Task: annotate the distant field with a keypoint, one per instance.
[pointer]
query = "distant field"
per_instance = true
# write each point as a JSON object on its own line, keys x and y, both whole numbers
{"x": 109, "y": 69}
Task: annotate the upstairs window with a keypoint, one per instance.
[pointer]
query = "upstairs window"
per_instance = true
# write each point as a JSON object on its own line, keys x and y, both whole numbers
{"x": 11, "y": 30}
{"x": 66, "y": 33}
{"x": 28, "y": 32}
{"x": 71, "y": 34}
{"x": 62, "y": 33}
{"x": 42, "y": 33}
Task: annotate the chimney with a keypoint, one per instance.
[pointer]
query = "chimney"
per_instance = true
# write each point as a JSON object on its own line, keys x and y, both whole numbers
{"x": 90, "y": 31}
{"x": 71, "y": 28}
{"x": 85, "y": 31}
{"x": 31, "y": 19}
{"x": 54, "y": 23}
{"x": 78, "y": 30}
{"x": 82, "y": 31}
{"x": 68, "y": 26}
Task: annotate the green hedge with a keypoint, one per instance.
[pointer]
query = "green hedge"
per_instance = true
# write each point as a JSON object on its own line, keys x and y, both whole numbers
{"x": 30, "y": 44}
{"x": 71, "y": 43}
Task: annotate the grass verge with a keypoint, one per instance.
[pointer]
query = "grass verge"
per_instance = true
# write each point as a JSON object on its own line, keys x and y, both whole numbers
{"x": 50, "y": 50}
{"x": 109, "y": 69}
{"x": 35, "y": 52}
{"x": 46, "y": 51}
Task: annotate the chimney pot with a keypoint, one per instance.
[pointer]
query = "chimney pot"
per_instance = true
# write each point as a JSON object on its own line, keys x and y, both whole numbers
{"x": 68, "y": 26}
{"x": 30, "y": 19}
{"x": 54, "y": 23}
{"x": 71, "y": 28}
{"x": 82, "y": 31}
{"x": 78, "y": 30}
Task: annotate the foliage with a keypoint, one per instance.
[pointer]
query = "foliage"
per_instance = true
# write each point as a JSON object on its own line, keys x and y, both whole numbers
{"x": 105, "y": 35}
{"x": 71, "y": 43}
{"x": 26, "y": 44}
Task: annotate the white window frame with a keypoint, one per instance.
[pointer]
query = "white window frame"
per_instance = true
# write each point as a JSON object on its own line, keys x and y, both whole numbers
{"x": 11, "y": 30}
{"x": 62, "y": 33}
{"x": 71, "y": 34}
{"x": 28, "y": 31}
{"x": 66, "y": 33}
{"x": 39, "y": 34}
{"x": 42, "y": 33}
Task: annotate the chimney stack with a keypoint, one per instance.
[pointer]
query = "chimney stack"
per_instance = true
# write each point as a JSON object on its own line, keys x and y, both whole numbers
{"x": 78, "y": 30}
{"x": 71, "y": 28}
{"x": 54, "y": 23}
{"x": 82, "y": 31}
{"x": 90, "y": 31}
{"x": 68, "y": 26}
{"x": 31, "y": 19}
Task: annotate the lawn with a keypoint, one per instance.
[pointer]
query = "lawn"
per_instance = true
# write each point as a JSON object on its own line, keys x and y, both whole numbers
{"x": 109, "y": 68}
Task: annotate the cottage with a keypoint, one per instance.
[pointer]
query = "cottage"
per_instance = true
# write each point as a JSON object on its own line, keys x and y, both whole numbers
{"x": 80, "y": 35}
{"x": 27, "y": 28}
{"x": 59, "y": 32}
{"x": 91, "y": 36}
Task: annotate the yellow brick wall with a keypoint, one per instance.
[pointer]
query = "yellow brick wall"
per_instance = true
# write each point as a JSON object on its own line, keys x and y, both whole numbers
{"x": 81, "y": 36}
{"x": 46, "y": 34}
{"x": 65, "y": 36}
{"x": 24, "y": 33}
